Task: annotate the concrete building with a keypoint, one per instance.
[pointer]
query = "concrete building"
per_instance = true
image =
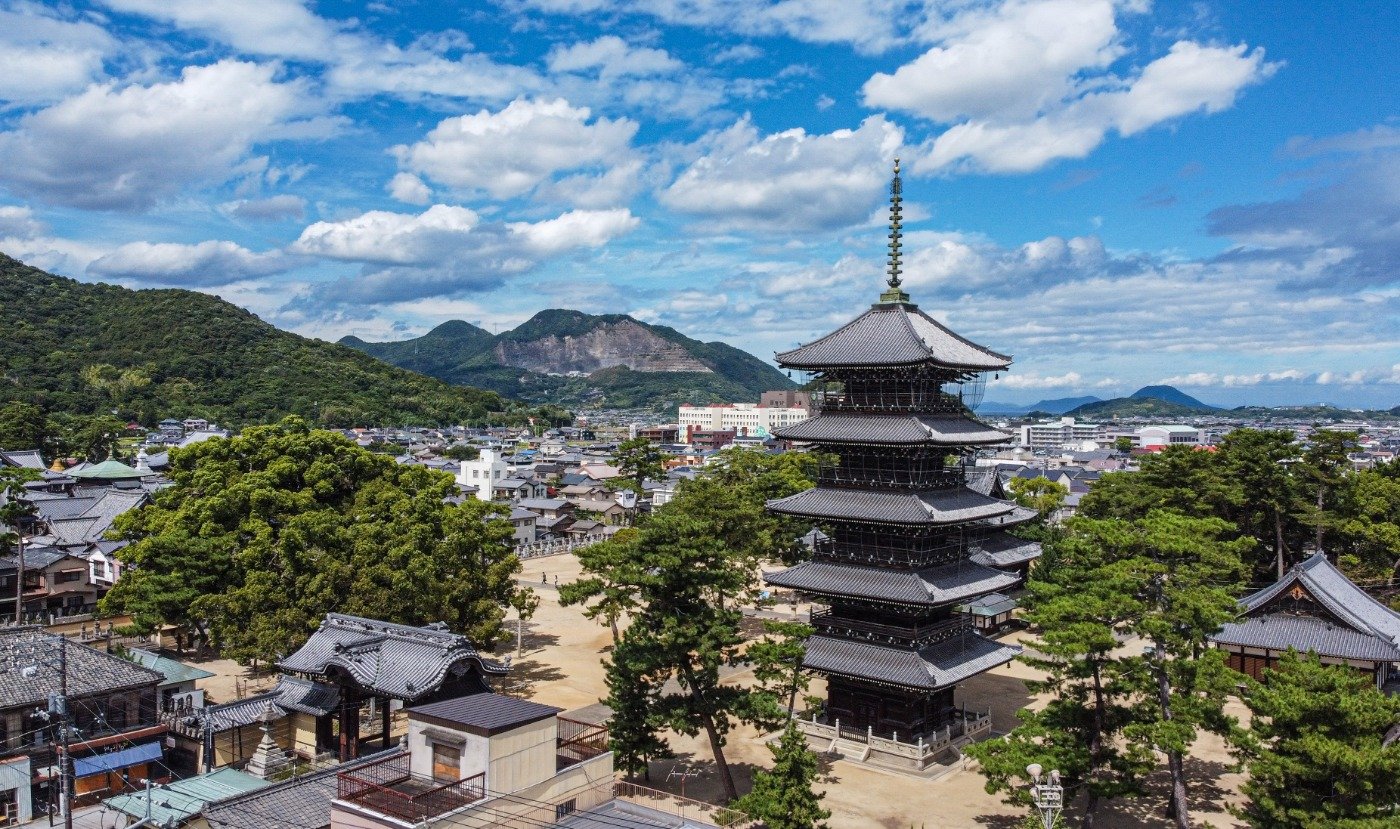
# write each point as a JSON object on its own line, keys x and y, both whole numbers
{"x": 1059, "y": 433}
{"x": 745, "y": 418}
{"x": 482, "y": 474}
{"x": 1149, "y": 437}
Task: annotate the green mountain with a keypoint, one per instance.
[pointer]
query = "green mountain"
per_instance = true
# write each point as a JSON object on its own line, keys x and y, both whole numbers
{"x": 80, "y": 348}
{"x": 1136, "y": 407}
{"x": 1170, "y": 394}
{"x": 572, "y": 358}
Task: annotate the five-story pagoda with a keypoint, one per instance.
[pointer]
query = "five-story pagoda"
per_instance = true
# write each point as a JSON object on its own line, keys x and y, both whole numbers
{"x": 907, "y": 539}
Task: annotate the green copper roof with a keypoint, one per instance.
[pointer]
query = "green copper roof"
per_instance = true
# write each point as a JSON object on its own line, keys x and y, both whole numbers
{"x": 108, "y": 470}
{"x": 181, "y": 800}
{"x": 174, "y": 671}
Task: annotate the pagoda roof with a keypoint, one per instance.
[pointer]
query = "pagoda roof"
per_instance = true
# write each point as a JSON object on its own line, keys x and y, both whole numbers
{"x": 1017, "y": 515}
{"x": 893, "y": 334}
{"x": 946, "y": 506}
{"x": 1351, "y": 610}
{"x": 392, "y": 660}
{"x": 893, "y": 430}
{"x": 927, "y": 669}
{"x": 932, "y": 586}
{"x": 1002, "y": 549}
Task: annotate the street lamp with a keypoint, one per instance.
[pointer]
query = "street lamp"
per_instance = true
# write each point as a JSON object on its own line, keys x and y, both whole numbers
{"x": 1048, "y": 796}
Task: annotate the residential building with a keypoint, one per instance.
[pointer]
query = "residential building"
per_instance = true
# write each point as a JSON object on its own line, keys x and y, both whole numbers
{"x": 709, "y": 439}
{"x": 744, "y": 418}
{"x": 480, "y": 476}
{"x": 1062, "y": 433}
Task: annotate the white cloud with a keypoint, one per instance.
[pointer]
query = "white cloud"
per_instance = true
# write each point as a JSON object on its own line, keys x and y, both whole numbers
{"x": 19, "y": 222}
{"x": 205, "y": 264}
{"x": 1385, "y": 375}
{"x": 270, "y": 209}
{"x": 278, "y": 28}
{"x": 1072, "y": 380}
{"x": 446, "y": 250}
{"x": 510, "y": 152}
{"x": 789, "y": 180}
{"x": 125, "y": 148}
{"x": 739, "y": 53}
{"x": 1029, "y": 82}
{"x": 611, "y": 57}
{"x": 44, "y": 56}
{"x": 1007, "y": 62}
{"x": 409, "y": 189}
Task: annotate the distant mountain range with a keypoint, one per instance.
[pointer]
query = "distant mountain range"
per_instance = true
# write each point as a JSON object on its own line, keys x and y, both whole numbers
{"x": 575, "y": 359}
{"x": 1058, "y": 405}
{"x": 81, "y": 348}
{"x": 1148, "y": 401}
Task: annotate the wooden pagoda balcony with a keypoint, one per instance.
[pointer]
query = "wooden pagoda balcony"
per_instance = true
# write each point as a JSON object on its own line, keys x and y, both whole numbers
{"x": 915, "y": 749}
{"x": 884, "y": 634}
{"x": 884, "y": 551}
{"x": 387, "y": 787}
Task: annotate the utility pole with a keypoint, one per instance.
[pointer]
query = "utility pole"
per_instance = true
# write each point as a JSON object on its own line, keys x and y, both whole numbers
{"x": 65, "y": 770}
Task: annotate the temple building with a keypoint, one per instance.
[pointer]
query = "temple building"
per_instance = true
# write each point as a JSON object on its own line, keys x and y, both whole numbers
{"x": 908, "y": 537}
{"x": 1316, "y": 608}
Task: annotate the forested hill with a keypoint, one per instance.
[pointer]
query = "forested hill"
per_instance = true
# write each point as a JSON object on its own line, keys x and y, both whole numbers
{"x": 572, "y": 357}
{"x": 78, "y": 348}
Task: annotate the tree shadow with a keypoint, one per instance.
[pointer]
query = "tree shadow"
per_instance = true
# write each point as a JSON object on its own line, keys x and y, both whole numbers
{"x": 1205, "y": 796}
{"x": 525, "y": 677}
{"x": 999, "y": 821}
{"x": 703, "y": 782}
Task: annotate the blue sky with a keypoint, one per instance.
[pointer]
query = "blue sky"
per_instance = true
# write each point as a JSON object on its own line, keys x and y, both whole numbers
{"x": 1117, "y": 193}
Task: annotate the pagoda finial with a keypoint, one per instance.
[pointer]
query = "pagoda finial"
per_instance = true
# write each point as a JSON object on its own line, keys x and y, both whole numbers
{"x": 895, "y": 293}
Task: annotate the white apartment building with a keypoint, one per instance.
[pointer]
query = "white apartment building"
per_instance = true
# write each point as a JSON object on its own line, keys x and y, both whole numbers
{"x": 1150, "y": 436}
{"x": 483, "y": 473}
{"x": 1063, "y": 432}
{"x": 748, "y": 418}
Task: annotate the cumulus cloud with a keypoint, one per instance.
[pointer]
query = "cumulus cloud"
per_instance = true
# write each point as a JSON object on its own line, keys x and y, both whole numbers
{"x": 18, "y": 221}
{"x": 1012, "y": 380}
{"x": 1029, "y": 82}
{"x": 789, "y": 180}
{"x": 275, "y": 28}
{"x": 1383, "y": 375}
{"x": 205, "y": 264}
{"x": 409, "y": 189}
{"x": 447, "y": 249}
{"x": 117, "y": 147}
{"x": 271, "y": 209}
{"x": 611, "y": 57}
{"x": 44, "y": 56}
{"x": 510, "y": 152}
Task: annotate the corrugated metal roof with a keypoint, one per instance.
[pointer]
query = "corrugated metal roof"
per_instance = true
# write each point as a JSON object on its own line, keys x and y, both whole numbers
{"x": 927, "y": 669}
{"x": 174, "y": 671}
{"x": 951, "y": 506}
{"x": 301, "y": 803}
{"x": 122, "y": 758}
{"x": 180, "y": 800}
{"x": 893, "y": 335}
{"x": 1280, "y": 631}
{"x": 895, "y": 430}
{"x": 931, "y": 586}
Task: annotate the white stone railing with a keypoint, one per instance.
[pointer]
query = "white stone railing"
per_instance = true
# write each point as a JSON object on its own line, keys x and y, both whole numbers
{"x": 976, "y": 724}
{"x": 553, "y": 547}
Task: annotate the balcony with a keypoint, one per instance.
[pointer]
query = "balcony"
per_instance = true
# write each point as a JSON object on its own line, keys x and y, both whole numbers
{"x": 878, "y": 633}
{"x": 917, "y": 750}
{"x": 387, "y": 787}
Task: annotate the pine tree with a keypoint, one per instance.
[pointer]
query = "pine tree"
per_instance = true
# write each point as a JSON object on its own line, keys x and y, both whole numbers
{"x": 633, "y": 733}
{"x": 1321, "y": 758}
{"x": 783, "y": 798}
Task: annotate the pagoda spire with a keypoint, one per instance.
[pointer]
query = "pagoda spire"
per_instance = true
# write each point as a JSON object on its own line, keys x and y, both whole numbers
{"x": 895, "y": 293}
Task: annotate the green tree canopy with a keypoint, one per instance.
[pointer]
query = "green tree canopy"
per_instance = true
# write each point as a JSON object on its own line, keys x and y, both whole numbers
{"x": 262, "y": 534}
{"x": 638, "y": 460}
{"x": 783, "y": 798}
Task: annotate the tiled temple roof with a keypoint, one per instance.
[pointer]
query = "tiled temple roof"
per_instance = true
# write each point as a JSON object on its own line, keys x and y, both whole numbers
{"x": 1005, "y": 550}
{"x": 950, "y": 506}
{"x": 932, "y": 586}
{"x": 895, "y": 334}
{"x": 893, "y": 430}
{"x": 936, "y": 666}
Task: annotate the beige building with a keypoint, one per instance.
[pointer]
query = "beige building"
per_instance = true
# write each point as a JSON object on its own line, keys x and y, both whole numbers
{"x": 751, "y": 419}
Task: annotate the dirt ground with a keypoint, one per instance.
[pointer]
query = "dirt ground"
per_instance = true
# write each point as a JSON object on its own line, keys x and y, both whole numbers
{"x": 562, "y": 665}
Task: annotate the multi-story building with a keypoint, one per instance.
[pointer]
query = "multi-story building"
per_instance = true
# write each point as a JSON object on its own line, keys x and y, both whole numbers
{"x": 1060, "y": 433}
{"x": 745, "y": 418}
{"x": 909, "y": 535}
{"x": 1161, "y": 436}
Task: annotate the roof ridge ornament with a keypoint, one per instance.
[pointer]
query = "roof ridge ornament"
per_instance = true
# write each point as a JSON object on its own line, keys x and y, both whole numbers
{"x": 895, "y": 294}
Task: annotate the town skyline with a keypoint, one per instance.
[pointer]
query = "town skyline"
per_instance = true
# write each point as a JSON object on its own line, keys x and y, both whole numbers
{"x": 1203, "y": 197}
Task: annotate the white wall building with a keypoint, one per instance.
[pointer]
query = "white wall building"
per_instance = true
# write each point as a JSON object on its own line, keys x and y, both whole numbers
{"x": 1150, "y": 436}
{"x": 483, "y": 473}
{"x": 748, "y": 418}
{"x": 1063, "y": 432}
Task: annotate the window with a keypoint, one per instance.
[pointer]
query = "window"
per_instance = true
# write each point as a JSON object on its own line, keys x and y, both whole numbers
{"x": 447, "y": 763}
{"x": 67, "y": 576}
{"x": 566, "y": 808}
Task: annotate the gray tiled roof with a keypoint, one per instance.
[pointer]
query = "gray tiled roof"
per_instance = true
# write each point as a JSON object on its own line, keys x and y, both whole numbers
{"x": 24, "y": 458}
{"x": 893, "y": 335}
{"x": 301, "y": 803}
{"x": 291, "y": 694}
{"x": 933, "y": 667}
{"x": 90, "y": 671}
{"x": 484, "y": 713}
{"x": 1018, "y": 515}
{"x": 396, "y": 660}
{"x": 1005, "y": 550}
{"x": 1351, "y": 605}
{"x": 1279, "y": 631}
{"x": 36, "y": 558}
{"x": 54, "y": 508}
{"x": 898, "y": 430}
{"x": 932, "y": 586}
{"x": 949, "y": 506}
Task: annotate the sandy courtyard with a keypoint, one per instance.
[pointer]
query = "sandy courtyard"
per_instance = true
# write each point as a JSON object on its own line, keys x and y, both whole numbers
{"x": 562, "y": 666}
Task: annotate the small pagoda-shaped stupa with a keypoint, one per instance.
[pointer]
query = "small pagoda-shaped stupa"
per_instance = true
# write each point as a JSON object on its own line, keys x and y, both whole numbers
{"x": 908, "y": 536}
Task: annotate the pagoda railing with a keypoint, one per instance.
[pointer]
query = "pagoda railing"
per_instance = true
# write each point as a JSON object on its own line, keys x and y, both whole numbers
{"x": 825, "y": 621}
{"x": 882, "y": 551}
{"x": 884, "y": 396}
{"x": 889, "y": 470}
{"x": 961, "y": 727}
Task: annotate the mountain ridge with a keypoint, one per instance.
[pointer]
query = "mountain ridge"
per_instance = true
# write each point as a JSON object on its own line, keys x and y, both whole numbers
{"x": 572, "y": 357}
{"x": 86, "y": 348}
